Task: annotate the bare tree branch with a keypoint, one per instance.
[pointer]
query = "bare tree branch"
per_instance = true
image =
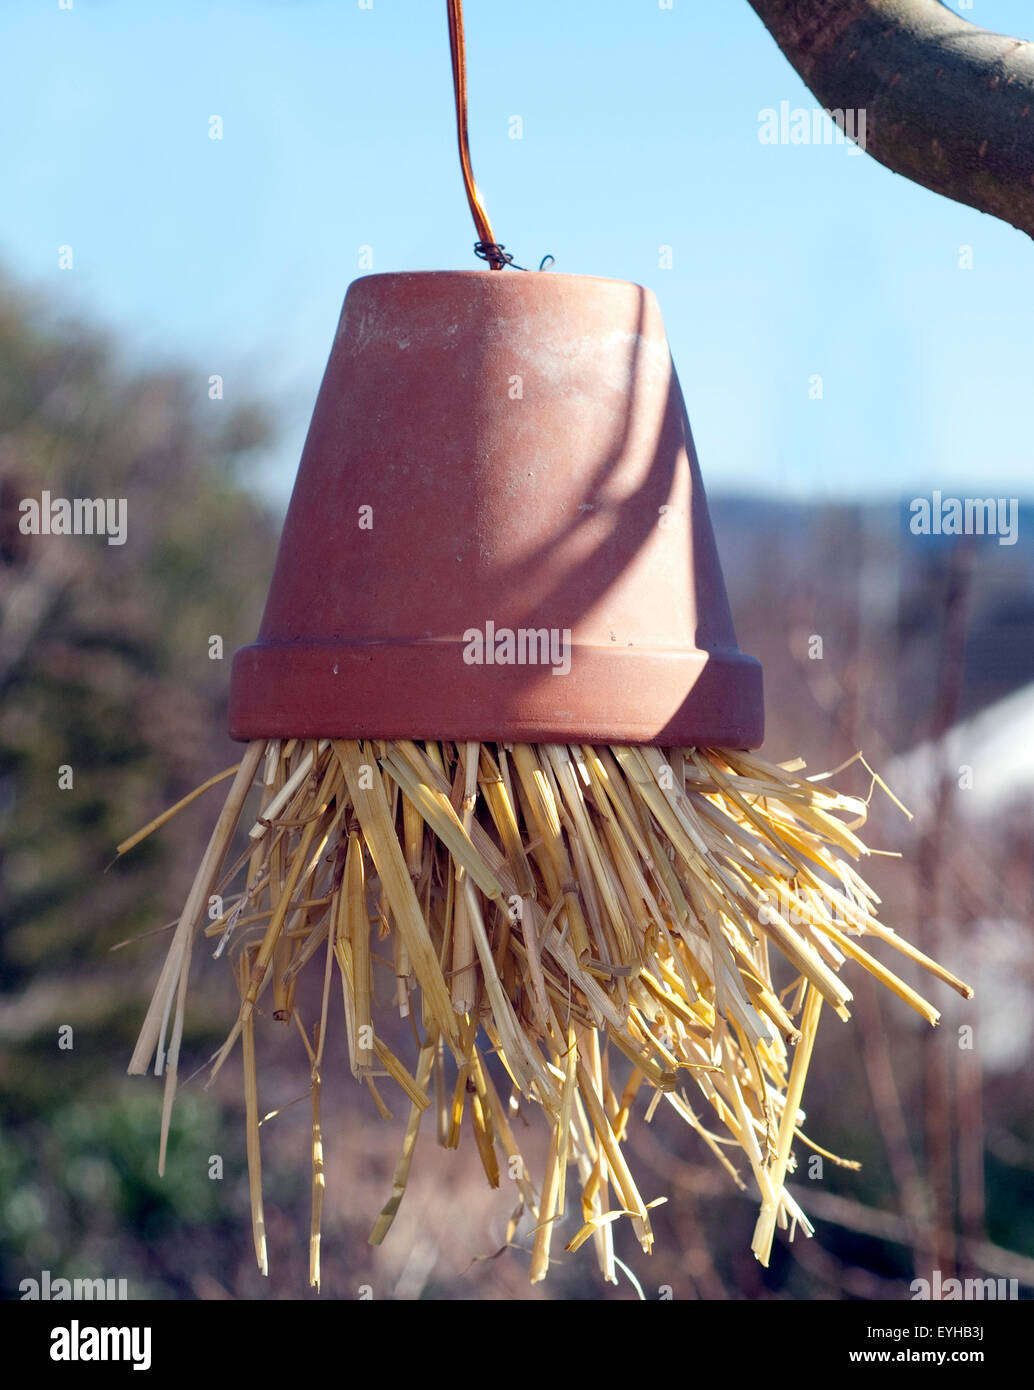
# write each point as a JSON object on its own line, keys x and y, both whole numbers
{"x": 947, "y": 104}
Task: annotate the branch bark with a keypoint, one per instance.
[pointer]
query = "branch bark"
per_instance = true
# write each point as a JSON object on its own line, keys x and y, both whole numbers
{"x": 948, "y": 105}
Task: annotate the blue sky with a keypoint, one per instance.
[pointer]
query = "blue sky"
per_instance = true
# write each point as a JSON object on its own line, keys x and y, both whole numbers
{"x": 640, "y": 130}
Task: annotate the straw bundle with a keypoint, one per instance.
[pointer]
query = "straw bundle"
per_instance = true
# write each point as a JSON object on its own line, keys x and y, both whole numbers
{"x": 602, "y": 920}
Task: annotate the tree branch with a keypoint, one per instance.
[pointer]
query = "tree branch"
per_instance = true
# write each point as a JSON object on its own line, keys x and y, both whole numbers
{"x": 947, "y": 105}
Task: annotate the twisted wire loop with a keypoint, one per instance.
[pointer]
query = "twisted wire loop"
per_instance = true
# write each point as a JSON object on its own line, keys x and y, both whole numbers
{"x": 495, "y": 254}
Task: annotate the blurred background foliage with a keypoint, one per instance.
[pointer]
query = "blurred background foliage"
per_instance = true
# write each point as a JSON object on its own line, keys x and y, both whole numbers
{"x": 105, "y": 668}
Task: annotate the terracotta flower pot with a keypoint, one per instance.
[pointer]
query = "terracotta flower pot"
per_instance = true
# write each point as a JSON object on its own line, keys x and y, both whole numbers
{"x": 498, "y": 530}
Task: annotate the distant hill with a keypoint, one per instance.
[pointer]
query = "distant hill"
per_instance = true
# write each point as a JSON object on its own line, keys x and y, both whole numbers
{"x": 879, "y": 597}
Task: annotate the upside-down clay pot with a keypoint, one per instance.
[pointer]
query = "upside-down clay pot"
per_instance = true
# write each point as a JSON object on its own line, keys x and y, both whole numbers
{"x": 498, "y": 531}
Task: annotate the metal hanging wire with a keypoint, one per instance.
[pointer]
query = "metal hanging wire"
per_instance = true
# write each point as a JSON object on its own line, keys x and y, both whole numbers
{"x": 486, "y": 247}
